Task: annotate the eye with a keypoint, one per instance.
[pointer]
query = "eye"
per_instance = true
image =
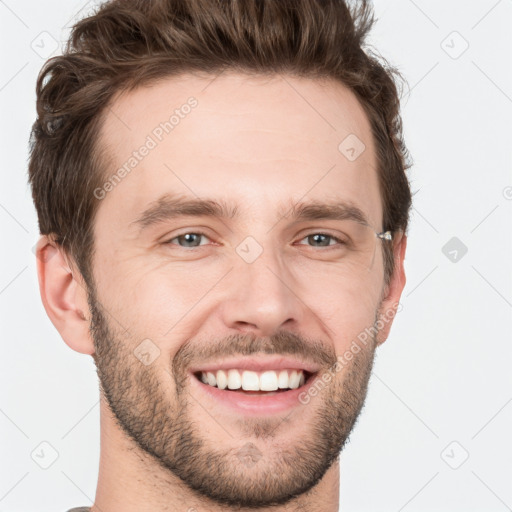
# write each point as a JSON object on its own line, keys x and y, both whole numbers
{"x": 322, "y": 239}
{"x": 190, "y": 239}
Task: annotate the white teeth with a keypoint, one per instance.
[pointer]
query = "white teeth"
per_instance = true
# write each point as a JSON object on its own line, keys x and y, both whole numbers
{"x": 211, "y": 379}
{"x": 234, "y": 379}
{"x": 248, "y": 380}
{"x": 222, "y": 379}
{"x": 268, "y": 381}
{"x": 293, "y": 381}
{"x": 283, "y": 379}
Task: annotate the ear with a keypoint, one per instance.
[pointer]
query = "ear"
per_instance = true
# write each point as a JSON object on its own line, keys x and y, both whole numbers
{"x": 393, "y": 291}
{"x": 64, "y": 295}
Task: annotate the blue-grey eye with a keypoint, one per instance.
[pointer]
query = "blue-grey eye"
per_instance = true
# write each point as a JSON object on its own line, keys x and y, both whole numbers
{"x": 190, "y": 239}
{"x": 322, "y": 239}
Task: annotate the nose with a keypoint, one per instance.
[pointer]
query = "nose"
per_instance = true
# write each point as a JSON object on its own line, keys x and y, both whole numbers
{"x": 263, "y": 297}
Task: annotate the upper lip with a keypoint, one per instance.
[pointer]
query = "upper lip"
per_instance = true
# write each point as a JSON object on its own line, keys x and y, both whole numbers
{"x": 258, "y": 364}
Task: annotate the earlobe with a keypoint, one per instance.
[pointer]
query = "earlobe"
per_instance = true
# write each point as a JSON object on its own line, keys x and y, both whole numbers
{"x": 390, "y": 303}
{"x": 64, "y": 296}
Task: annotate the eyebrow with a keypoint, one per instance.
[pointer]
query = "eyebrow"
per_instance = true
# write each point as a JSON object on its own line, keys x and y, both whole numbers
{"x": 169, "y": 207}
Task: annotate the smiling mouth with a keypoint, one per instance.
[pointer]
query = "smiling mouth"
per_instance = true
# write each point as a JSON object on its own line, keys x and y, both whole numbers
{"x": 294, "y": 381}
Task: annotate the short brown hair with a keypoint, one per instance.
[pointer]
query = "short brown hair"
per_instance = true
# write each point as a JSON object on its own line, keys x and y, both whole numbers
{"x": 127, "y": 43}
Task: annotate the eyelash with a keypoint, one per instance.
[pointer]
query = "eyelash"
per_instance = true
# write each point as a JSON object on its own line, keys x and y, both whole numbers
{"x": 340, "y": 241}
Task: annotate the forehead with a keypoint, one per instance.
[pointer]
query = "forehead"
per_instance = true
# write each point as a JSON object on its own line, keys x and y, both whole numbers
{"x": 257, "y": 142}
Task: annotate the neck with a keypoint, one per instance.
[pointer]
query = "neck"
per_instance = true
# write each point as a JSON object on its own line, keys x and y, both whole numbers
{"x": 130, "y": 480}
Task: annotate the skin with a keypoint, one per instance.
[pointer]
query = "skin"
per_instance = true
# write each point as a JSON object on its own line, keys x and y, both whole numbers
{"x": 254, "y": 142}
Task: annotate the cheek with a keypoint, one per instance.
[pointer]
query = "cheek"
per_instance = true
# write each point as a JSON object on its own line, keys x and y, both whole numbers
{"x": 347, "y": 307}
{"x": 158, "y": 300}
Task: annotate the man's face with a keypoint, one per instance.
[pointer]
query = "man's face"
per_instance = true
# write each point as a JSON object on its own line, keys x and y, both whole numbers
{"x": 185, "y": 292}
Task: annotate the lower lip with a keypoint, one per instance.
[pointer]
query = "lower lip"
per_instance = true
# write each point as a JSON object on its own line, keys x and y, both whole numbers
{"x": 254, "y": 405}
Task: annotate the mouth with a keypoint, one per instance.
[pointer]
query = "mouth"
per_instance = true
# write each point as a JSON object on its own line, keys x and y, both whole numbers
{"x": 254, "y": 393}
{"x": 255, "y": 383}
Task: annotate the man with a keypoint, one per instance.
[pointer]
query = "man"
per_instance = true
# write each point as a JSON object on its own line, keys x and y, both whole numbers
{"x": 223, "y": 204}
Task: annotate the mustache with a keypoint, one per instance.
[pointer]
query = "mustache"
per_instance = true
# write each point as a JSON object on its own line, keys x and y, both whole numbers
{"x": 247, "y": 344}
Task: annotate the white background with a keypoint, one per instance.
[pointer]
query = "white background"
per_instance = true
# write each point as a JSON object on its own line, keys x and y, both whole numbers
{"x": 442, "y": 387}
